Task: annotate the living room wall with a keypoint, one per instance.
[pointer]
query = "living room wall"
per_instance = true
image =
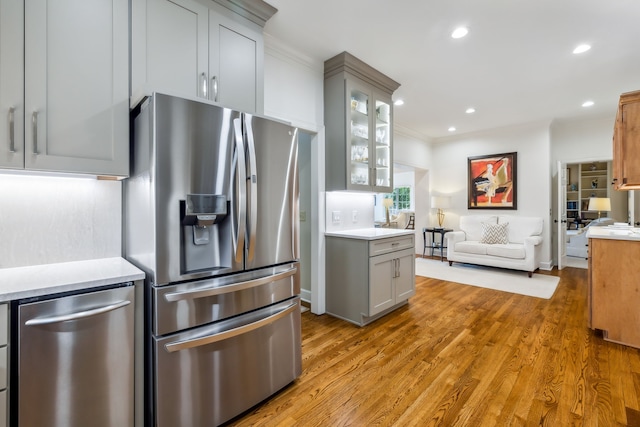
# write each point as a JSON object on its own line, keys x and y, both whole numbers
{"x": 531, "y": 142}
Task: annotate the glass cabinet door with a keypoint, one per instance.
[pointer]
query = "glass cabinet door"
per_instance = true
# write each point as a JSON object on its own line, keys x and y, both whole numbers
{"x": 382, "y": 144}
{"x": 358, "y": 134}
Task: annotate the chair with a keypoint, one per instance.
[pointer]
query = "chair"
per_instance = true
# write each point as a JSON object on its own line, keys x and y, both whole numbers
{"x": 411, "y": 224}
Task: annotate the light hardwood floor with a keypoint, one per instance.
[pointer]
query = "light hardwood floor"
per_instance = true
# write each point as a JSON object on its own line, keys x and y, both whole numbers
{"x": 459, "y": 355}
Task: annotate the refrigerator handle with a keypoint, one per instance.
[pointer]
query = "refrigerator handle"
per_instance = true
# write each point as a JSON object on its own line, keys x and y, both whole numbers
{"x": 210, "y": 339}
{"x": 252, "y": 177}
{"x": 240, "y": 195}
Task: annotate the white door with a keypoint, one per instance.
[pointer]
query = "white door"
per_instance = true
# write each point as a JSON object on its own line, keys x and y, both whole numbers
{"x": 11, "y": 80}
{"x": 561, "y": 221}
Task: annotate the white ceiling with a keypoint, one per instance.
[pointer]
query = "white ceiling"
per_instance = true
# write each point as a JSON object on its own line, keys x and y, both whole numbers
{"x": 515, "y": 66}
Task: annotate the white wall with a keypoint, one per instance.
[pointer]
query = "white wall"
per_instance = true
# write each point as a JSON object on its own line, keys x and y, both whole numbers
{"x": 293, "y": 86}
{"x": 51, "y": 219}
{"x": 578, "y": 141}
{"x": 347, "y": 205}
{"x": 530, "y": 141}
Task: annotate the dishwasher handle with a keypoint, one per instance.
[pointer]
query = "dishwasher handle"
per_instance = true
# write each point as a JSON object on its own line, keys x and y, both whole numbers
{"x": 208, "y": 292}
{"x": 76, "y": 316}
{"x": 210, "y": 339}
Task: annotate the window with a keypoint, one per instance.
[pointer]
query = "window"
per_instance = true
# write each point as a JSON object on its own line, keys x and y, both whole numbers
{"x": 401, "y": 198}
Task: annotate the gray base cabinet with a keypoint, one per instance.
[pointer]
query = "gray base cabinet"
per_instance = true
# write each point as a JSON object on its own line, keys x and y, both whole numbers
{"x": 366, "y": 279}
{"x": 4, "y": 363}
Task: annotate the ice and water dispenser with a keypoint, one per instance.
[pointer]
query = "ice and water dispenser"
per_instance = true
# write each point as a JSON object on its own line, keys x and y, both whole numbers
{"x": 204, "y": 232}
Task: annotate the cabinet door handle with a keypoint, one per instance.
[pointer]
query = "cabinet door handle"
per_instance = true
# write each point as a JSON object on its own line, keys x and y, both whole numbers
{"x": 34, "y": 124}
{"x": 12, "y": 143}
{"x": 203, "y": 86}
{"x": 214, "y": 88}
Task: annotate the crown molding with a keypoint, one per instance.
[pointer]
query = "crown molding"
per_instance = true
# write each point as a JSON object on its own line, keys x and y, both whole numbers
{"x": 256, "y": 11}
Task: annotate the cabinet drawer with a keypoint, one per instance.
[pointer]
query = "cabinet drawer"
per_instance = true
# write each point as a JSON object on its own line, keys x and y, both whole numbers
{"x": 383, "y": 246}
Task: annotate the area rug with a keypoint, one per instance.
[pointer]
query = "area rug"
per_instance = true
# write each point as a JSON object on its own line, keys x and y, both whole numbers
{"x": 518, "y": 282}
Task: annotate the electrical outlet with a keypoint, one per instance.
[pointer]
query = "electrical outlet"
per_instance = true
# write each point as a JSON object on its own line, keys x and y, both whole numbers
{"x": 354, "y": 216}
{"x": 303, "y": 216}
{"x": 335, "y": 217}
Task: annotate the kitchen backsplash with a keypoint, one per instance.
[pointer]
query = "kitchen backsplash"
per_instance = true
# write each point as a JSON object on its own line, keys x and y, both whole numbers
{"x": 58, "y": 219}
{"x": 348, "y": 211}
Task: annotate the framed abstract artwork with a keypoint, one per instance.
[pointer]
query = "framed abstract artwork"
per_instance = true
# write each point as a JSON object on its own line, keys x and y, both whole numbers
{"x": 492, "y": 181}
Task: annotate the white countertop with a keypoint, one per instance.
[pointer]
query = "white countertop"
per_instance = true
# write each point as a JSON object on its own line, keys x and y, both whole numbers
{"x": 37, "y": 280}
{"x": 370, "y": 233}
{"x": 614, "y": 233}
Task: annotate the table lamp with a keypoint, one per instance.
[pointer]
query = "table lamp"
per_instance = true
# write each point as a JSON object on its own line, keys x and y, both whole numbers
{"x": 599, "y": 204}
{"x": 440, "y": 203}
{"x": 387, "y": 203}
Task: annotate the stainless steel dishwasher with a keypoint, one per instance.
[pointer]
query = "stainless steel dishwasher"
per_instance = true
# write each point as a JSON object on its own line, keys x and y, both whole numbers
{"x": 75, "y": 359}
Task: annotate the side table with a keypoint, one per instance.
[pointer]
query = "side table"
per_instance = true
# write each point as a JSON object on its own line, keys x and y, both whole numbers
{"x": 433, "y": 244}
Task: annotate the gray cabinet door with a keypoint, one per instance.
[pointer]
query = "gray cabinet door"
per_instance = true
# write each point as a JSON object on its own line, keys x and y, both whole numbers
{"x": 77, "y": 86}
{"x": 11, "y": 84}
{"x": 405, "y": 281}
{"x": 235, "y": 64}
{"x": 177, "y": 47}
{"x": 381, "y": 292}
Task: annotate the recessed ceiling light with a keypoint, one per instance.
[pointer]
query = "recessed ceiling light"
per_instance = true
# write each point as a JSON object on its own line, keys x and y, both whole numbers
{"x": 470, "y": 110}
{"x": 399, "y": 102}
{"x": 460, "y": 32}
{"x": 587, "y": 103}
{"x": 581, "y": 48}
{"x": 452, "y": 129}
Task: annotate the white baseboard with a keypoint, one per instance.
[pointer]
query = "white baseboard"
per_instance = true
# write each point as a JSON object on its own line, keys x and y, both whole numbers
{"x": 305, "y": 295}
{"x": 547, "y": 265}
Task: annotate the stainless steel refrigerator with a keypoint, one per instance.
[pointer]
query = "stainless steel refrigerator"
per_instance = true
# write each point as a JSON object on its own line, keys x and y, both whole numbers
{"x": 211, "y": 216}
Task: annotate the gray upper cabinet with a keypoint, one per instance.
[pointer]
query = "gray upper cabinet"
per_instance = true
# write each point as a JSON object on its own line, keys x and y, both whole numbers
{"x": 358, "y": 113}
{"x": 74, "y": 115}
{"x": 205, "y": 50}
{"x": 11, "y": 84}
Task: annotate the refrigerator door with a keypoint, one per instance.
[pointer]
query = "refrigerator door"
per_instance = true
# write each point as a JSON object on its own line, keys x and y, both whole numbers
{"x": 197, "y": 303}
{"x": 210, "y": 374}
{"x": 183, "y": 200}
{"x": 273, "y": 230}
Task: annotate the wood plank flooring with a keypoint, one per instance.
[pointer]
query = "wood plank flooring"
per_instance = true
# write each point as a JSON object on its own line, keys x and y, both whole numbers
{"x": 460, "y": 355}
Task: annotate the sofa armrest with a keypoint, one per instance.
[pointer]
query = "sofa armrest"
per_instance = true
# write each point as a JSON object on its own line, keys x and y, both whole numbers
{"x": 455, "y": 236}
{"x": 533, "y": 240}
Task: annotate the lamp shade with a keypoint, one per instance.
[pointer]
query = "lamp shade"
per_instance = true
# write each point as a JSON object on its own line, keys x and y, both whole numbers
{"x": 439, "y": 202}
{"x": 387, "y": 203}
{"x": 599, "y": 204}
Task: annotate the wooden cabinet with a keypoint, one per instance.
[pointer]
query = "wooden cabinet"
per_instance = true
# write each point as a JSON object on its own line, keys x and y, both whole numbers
{"x": 193, "y": 49}
{"x": 614, "y": 291}
{"x": 65, "y": 102}
{"x": 366, "y": 279}
{"x": 626, "y": 143}
{"x": 358, "y": 112}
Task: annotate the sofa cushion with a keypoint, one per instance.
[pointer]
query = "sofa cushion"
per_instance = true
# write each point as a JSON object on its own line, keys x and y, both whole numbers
{"x": 513, "y": 251}
{"x": 495, "y": 233}
{"x": 521, "y": 227}
{"x": 472, "y": 225}
{"x": 471, "y": 247}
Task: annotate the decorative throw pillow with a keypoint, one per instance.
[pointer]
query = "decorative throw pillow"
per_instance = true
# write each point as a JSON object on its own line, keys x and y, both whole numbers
{"x": 495, "y": 233}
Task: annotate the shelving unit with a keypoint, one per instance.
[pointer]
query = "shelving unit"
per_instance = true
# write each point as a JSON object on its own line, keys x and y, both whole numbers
{"x": 586, "y": 180}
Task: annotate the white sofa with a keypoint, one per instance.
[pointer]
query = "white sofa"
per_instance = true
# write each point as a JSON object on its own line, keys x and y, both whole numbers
{"x": 577, "y": 240}
{"x": 518, "y": 248}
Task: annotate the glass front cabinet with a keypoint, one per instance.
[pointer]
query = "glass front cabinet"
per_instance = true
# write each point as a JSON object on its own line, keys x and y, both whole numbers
{"x": 359, "y": 126}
